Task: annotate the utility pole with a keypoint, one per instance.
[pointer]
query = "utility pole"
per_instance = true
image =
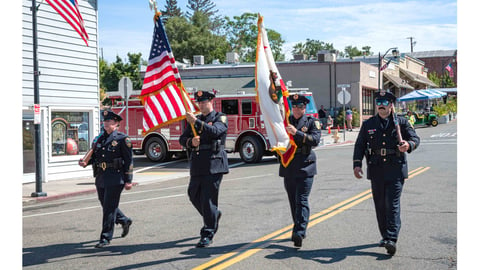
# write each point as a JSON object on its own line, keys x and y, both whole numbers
{"x": 412, "y": 43}
{"x": 36, "y": 100}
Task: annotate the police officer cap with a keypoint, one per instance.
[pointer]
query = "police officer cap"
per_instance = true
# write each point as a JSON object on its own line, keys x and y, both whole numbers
{"x": 298, "y": 99}
{"x": 109, "y": 115}
{"x": 383, "y": 94}
{"x": 203, "y": 95}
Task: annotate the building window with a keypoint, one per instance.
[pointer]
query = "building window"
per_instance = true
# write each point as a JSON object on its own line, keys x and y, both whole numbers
{"x": 368, "y": 106}
{"x": 70, "y": 133}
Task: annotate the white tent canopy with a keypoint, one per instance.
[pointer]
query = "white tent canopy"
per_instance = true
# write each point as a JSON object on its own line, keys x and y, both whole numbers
{"x": 422, "y": 95}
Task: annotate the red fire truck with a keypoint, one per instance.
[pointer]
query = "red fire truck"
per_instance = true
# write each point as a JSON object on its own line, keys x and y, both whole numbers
{"x": 246, "y": 130}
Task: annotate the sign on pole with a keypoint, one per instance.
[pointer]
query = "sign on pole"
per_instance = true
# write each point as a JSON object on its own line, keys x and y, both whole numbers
{"x": 125, "y": 88}
{"x": 344, "y": 97}
{"x": 37, "y": 114}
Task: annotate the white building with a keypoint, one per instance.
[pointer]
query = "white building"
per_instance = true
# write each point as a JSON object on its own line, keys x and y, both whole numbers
{"x": 68, "y": 87}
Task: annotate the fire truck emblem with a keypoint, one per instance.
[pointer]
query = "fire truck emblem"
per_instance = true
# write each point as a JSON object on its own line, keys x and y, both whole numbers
{"x": 275, "y": 90}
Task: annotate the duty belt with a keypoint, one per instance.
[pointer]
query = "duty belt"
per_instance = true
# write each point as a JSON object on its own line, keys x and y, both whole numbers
{"x": 384, "y": 151}
{"x": 208, "y": 147}
{"x": 104, "y": 165}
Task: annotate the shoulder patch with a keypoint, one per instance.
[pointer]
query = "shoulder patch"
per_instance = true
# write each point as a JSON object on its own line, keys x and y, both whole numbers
{"x": 317, "y": 124}
{"x": 223, "y": 119}
{"x": 128, "y": 142}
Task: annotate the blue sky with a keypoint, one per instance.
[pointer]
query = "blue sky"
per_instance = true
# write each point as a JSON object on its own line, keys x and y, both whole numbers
{"x": 127, "y": 25}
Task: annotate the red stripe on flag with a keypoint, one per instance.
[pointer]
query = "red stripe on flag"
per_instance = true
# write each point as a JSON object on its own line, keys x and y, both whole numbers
{"x": 155, "y": 111}
{"x": 173, "y": 101}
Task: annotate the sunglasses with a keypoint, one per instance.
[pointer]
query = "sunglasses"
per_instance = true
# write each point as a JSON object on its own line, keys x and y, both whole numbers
{"x": 383, "y": 102}
{"x": 300, "y": 106}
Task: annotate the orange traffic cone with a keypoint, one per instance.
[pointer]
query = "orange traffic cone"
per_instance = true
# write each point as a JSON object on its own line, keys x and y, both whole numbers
{"x": 329, "y": 131}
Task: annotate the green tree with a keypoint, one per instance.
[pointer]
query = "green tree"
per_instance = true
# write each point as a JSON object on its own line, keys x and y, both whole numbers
{"x": 171, "y": 10}
{"x": 194, "y": 38}
{"x": 110, "y": 74}
{"x": 206, "y": 6}
{"x": 242, "y": 33}
{"x": 311, "y": 47}
{"x": 443, "y": 81}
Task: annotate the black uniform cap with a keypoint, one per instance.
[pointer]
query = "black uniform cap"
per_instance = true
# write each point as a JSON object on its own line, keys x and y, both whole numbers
{"x": 109, "y": 115}
{"x": 203, "y": 95}
{"x": 298, "y": 99}
{"x": 383, "y": 94}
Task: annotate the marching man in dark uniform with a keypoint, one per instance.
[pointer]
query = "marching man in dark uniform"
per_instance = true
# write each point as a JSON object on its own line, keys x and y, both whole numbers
{"x": 379, "y": 142}
{"x": 298, "y": 175}
{"x": 113, "y": 170}
{"x": 208, "y": 162}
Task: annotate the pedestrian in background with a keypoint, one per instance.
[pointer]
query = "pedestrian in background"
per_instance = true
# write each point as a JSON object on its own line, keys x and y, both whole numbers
{"x": 386, "y": 164}
{"x": 349, "y": 118}
{"x": 298, "y": 175}
{"x": 112, "y": 164}
{"x": 411, "y": 118}
{"x": 322, "y": 116}
{"x": 208, "y": 162}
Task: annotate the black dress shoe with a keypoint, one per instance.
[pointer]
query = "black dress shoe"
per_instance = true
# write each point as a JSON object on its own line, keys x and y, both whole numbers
{"x": 102, "y": 243}
{"x": 382, "y": 243}
{"x": 218, "y": 221}
{"x": 126, "y": 227}
{"x": 297, "y": 240}
{"x": 204, "y": 242}
{"x": 391, "y": 247}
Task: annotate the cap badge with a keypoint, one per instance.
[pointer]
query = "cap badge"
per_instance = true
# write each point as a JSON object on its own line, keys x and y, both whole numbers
{"x": 105, "y": 113}
{"x": 295, "y": 97}
{"x": 199, "y": 93}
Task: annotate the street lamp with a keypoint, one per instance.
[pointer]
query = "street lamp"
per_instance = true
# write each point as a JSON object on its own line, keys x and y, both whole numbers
{"x": 395, "y": 53}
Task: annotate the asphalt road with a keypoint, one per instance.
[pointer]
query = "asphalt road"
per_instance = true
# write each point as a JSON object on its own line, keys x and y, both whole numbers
{"x": 256, "y": 224}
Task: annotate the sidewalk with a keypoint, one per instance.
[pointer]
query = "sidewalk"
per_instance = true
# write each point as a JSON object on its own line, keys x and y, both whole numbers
{"x": 60, "y": 189}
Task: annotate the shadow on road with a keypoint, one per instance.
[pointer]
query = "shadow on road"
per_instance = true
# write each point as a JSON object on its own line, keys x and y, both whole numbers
{"x": 62, "y": 252}
{"x": 325, "y": 256}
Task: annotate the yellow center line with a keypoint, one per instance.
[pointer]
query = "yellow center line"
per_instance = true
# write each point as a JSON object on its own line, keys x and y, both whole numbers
{"x": 248, "y": 250}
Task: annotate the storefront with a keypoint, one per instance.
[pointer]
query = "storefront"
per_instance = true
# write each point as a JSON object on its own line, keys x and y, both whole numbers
{"x": 68, "y": 87}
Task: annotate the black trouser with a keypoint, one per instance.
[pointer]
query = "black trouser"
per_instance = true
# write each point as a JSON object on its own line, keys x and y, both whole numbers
{"x": 298, "y": 190}
{"x": 386, "y": 196}
{"x": 203, "y": 193}
{"x": 109, "y": 198}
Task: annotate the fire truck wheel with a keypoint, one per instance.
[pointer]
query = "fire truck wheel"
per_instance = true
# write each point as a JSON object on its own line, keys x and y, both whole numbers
{"x": 251, "y": 150}
{"x": 156, "y": 150}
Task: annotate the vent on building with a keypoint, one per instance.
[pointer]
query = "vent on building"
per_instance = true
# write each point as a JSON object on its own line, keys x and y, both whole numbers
{"x": 327, "y": 56}
{"x": 232, "y": 58}
{"x": 198, "y": 60}
{"x": 298, "y": 57}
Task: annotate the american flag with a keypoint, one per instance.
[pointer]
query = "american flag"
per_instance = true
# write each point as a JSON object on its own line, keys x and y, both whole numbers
{"x": 386, "y": 65}
{"x": 68, "y": 9}
{"x": 163, "y": 95}
{"x": 450, "y": 70}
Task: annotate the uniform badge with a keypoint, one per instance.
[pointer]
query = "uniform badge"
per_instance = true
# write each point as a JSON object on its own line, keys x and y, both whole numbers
{"x": 114, "y": 143}
{"x": 304, "y": 129}
{"x": 210, "y": 123}
{"x": 371, "y": 131}
{"x": 223, "y": 119}
{"x": 295, "y": 97}
{"x": 317, "y": 124}
{"x": 128, "y": 142}
{"x": 105, "y": 113}
{"x": 199, "y": 93}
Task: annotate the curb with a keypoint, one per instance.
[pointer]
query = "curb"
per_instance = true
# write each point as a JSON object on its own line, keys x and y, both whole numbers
{"x": 33, "y": 200}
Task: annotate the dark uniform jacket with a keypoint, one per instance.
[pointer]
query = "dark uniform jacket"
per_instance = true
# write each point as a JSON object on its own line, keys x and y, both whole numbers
{"x": 378, "y": 143}
{"x": 112, "y": 160}
{"x": 307, "y": 136}
{"x": 210, "y": 156}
